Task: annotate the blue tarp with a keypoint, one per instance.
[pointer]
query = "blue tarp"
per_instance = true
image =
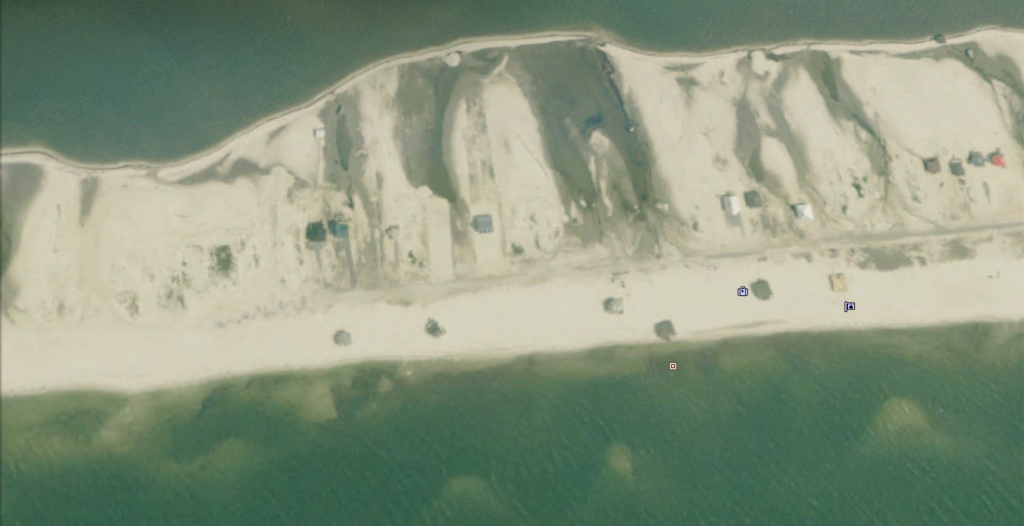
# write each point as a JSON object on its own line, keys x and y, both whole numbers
{"x": 483, "y": 224}
{"x": 338, "y": 229}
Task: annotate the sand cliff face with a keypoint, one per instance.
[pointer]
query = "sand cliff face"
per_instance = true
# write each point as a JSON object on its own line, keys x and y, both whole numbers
{"x": 577, "y": 152}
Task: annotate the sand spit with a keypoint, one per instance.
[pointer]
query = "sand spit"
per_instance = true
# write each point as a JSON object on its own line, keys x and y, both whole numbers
{"x": 674, "y": 189}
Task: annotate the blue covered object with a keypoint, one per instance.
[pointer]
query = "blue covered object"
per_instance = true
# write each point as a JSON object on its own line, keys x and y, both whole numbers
{"x": 337, "y": 229}
{"x": 483, "y": 224}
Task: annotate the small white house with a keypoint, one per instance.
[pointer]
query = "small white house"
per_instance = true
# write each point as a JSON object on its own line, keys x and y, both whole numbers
{"x": 319, "y": 133}
{"x": 731, "y": 204}
{"x": 803, "y": 212}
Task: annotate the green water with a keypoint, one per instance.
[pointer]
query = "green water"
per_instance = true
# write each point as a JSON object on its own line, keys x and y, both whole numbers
{"x": 909, "y": 427}
{"x": 128, "y": 79}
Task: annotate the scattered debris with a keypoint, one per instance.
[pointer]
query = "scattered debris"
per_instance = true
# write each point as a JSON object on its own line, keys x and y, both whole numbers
{"x": 392, "y": 232}
{"x": 803, "y": 211}
{"x": 434, "y": 329}
{"x": 976, "y": 158}
{"x": 753, "y": 199}
{"x": 613, "y": 306}
{"x": 940, "y": 38}
{"x": 838, "y": 282}
{"x": 956, "y": 167}
{"x": 342, "y": 338}
{"x": 931, "y": 165}
{"x": 665, "y": 330}
{"x": 761, "y": 290}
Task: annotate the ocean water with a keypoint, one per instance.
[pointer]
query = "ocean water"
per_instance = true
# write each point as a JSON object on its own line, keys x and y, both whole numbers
{"x": 129, "y": 79}
{"x": 909, "y": 427}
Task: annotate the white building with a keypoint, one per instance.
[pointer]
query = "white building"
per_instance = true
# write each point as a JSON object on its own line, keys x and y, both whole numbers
{"x": 731, "y": 204}
{"x": 803, "y": 212}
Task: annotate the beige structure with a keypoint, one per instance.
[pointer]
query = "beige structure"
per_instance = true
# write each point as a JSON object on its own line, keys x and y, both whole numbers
{"x": 731, "y": 204}
{"x": 838, "y": 282}
{"x": 437, "y": 212}
{"x": 803, "y": 212}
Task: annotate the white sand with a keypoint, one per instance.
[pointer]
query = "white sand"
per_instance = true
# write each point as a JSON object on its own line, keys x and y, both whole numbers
{"x": 920, "y": 107}
{"x": 384, "y": 169}
{"x": 437, "y": 213}
{"x": 835, "y": 153}
{"x": 531, "y": 211}
{"x": 692, "y": 134}
{"x": 560, "y": 314}
{"x": 125, "y": 299}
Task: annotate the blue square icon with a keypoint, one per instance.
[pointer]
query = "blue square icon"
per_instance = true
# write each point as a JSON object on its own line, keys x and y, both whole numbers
{"x": 742, "y": 291}
{"x": 848, "y": 306}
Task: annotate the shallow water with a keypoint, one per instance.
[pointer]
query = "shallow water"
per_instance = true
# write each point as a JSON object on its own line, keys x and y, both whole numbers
{"x": 922, "y": 426}
{"x": 121, "y": 79}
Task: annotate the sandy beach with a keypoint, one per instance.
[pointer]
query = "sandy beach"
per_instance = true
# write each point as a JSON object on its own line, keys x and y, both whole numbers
{"x": 559, "y": 314}
{"x": 139, "y": 276}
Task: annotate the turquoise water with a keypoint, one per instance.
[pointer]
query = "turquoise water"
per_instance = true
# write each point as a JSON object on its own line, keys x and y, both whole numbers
{"x": 909, "y": 427}
{"x": 126, "y": 79}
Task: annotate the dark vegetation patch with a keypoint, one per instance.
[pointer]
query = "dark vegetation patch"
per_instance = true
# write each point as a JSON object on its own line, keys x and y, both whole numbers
{"x": 222, "y": 260}
{"x": 761, "y": 290}
{"x": 956, "y": 250}
{"x": 20, "y": 183}
{"x": 573, "y": 91}
{"x": 316, "y": 232}
{"x": 424, "y": 92}
{"x": 885, "y": 259}
{"x": 89, "y": 187}
{"x": 820, "y": 64}
{"x": 6, "y": 244}
{"x": 171, "y": 298}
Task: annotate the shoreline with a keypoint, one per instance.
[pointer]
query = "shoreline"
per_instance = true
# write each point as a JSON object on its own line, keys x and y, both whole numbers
{"x": 43, "y": 155}
{"x": 559, "y": 315}
{"x": 345, "y": 82}
{"x": 492, "y": 358}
